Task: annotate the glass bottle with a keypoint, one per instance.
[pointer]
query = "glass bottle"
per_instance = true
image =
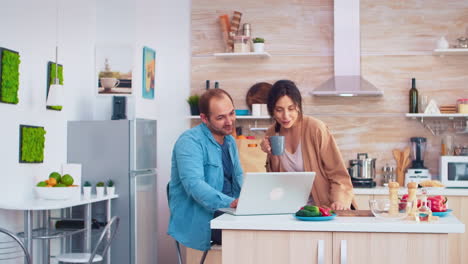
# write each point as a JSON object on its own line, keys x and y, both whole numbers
{"x": 413, "y": 97}
{"x": 424, "y": 211}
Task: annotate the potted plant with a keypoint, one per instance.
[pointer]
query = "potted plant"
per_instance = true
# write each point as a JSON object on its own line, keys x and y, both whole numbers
{"x": 110, "y": 188}
{"x": 193, "y": 102}
{"x": 87, "y": 190}
{"x": 259, "y": 44}
{"x": 100, "y": 189}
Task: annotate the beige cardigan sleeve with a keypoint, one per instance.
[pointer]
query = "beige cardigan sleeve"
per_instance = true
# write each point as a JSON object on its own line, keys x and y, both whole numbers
{"x": 333, "y": 167}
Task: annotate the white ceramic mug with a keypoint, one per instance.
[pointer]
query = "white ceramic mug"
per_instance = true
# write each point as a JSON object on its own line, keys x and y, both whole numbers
{"x": 109, "y": 83}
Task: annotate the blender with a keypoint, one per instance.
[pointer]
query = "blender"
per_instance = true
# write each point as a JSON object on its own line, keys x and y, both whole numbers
{"x": 417, "y": 173}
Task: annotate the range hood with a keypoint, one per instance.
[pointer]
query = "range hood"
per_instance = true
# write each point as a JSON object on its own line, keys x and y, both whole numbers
{"x": 347, "y": 80}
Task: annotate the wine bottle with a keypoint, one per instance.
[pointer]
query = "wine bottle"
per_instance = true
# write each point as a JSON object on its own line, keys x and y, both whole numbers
{"x": 413, "y": 97}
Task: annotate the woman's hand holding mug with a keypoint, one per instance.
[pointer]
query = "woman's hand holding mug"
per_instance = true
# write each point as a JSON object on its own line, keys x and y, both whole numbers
{"x": 265, "y": 145}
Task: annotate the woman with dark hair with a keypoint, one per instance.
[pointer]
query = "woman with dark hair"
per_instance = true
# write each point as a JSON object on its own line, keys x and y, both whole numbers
{"x": 309, "y": 146}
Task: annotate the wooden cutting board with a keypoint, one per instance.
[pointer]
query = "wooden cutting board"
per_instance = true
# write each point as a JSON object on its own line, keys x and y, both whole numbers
{"x": 354, "y": 213}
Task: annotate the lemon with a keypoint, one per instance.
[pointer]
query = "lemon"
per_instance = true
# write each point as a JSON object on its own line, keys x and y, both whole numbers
{"x": 56, "y": 176}
{"x": 67, "y": 179}
{"x": 41, "y": 184}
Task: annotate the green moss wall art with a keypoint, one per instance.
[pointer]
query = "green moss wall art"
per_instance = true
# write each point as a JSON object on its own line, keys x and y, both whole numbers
{"x": 32, "y": 143}
{"x": 50, "y": 80}
{"x": 9, "y": 76}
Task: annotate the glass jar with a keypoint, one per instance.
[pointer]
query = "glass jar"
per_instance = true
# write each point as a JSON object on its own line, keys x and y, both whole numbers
{"x": 462, "y": 105}
{"x": 241, "y": 44}
{"x": 388, "y": 174}
{"x": 462, "y": 42}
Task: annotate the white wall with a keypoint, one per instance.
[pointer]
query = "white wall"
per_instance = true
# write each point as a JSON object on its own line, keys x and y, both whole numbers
{"x": 165, "y": 27}
{"x": 28, "y": 26}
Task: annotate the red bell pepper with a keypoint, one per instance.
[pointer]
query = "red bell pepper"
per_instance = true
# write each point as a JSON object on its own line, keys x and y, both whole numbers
{"x": 438, "y": 203}
{"x": 325, "y": 211}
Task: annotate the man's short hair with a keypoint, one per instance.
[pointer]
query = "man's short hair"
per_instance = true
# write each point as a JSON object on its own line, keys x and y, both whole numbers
{"x": 205, "y": 99}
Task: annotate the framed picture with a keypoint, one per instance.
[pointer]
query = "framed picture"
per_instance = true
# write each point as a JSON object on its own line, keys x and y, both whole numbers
{"x": 32, "y": 143}
{"x": 9, "y": 76}
{"x": 149, "y": 67}
{"x": 114, "y": 69}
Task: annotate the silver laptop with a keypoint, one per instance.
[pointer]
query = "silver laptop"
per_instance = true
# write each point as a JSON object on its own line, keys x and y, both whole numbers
{"x": 273, "y": 193}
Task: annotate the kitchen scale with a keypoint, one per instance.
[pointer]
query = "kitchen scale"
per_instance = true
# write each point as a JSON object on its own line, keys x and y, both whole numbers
{"x": 417, "y": 173}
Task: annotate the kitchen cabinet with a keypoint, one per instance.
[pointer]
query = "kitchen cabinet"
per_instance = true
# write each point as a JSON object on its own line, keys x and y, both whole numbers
{"x": 250, "y": 247}
{"x": 383, "y": 248}
{"x": 457, "y": 201}
{"x": 351, "y": 240}
{"x": 458, "y": 243}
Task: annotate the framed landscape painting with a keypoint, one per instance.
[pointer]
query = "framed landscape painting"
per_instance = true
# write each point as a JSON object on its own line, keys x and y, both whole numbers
{"x": 149, "y": 67}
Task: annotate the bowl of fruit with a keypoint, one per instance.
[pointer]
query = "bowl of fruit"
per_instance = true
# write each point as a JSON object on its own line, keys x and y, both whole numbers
{"x": 57, "y": 187}
{"x": 314, "y": 213}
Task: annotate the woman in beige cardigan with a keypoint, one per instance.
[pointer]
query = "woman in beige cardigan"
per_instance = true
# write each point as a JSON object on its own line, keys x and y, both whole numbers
{"x": 309, "y": 146}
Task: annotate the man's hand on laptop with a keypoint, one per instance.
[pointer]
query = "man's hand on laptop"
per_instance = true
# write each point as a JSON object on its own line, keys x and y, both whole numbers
{"x": 338, "y": 206}
{"x": 234, "y": 203}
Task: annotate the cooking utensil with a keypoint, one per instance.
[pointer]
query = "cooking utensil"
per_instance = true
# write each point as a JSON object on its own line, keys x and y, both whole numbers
{"x": 225, "y": 27}
{"x": 366, "y": 166}
{"x": 399, "y": 158}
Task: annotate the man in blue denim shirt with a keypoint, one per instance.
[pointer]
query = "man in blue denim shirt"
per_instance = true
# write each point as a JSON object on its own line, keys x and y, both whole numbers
{"x": 206, "y": 172}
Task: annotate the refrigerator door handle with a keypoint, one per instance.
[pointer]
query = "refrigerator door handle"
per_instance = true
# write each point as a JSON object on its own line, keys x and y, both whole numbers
{"x": 143, "y": 172}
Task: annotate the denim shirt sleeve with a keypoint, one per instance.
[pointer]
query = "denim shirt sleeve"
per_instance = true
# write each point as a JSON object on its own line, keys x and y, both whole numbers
{"x": 189, "y": 159}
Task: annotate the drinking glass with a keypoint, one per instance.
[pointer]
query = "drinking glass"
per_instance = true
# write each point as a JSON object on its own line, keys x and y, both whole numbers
{"x": 424, "y": 100}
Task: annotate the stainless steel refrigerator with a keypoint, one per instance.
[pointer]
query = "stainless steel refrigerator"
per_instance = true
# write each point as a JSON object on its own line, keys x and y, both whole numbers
{"x": 124, "y": 151}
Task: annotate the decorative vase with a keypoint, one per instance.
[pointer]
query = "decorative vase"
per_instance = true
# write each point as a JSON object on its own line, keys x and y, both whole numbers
{"x": 110, "y": 190}
{"x": 99, "y": 192}
{"x": 259, "y": 47}
{"x": 87, "y": 192}
{"x": 442, "y": 43}
{"x": 194, "y": 110}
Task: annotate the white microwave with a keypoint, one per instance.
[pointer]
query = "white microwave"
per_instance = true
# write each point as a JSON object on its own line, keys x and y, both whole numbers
{"x": 454, "y": 171}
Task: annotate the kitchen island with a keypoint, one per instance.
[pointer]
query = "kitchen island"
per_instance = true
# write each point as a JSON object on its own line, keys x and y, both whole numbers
{"x": 457, "y": 201}
{"x": 284, "y": 239}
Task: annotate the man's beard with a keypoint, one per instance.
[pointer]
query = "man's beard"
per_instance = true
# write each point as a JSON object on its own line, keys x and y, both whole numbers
{"x": 221, "y": 131}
